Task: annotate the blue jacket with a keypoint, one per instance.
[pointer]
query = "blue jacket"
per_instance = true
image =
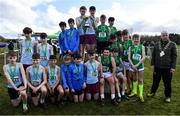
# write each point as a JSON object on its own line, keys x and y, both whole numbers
{"x": 61, "y": 39}
{"x": 72, "y": 40}
{"x": 64, "y": 75}
{"x": 76, "y": 79}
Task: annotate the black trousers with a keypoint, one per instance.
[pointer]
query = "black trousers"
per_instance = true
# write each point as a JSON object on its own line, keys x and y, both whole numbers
{"x": 166, "y": 75}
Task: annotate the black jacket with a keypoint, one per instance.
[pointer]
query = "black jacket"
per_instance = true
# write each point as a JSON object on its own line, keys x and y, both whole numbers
{"x": 168, "y": 60}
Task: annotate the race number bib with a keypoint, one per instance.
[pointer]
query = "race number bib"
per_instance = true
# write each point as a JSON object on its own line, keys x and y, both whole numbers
{"x": 105, "y": 69}
{"x": 125, "y": 52}
{"x": 35, "y": 83}
{"x": 136, "y": 57}
{"x": 102, "y": 34}
{"x": 94, "y": 73}
{"x": 16, "y": 79}
{"x": 118, "y": 69}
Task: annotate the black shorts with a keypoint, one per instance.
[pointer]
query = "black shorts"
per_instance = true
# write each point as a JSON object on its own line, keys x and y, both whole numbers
{"x": 78, "y": 92}
{"x": 13, "y": 94}
{"x": 25, "y": 66}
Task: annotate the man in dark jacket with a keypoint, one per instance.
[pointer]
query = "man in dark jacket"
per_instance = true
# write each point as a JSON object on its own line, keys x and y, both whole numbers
{"x": 163, "y": 64}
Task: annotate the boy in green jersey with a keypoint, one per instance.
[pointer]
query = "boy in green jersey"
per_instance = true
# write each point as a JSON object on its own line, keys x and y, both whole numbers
{"x": 102, "y": 35}
{"x": 136, "y": 58}
{"x": 112, "y": 29}
{"x": 125, "y": 46}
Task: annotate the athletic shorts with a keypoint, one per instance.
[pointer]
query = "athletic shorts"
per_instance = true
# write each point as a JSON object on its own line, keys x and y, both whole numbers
{"x": 127, "y": 65}
{"x": 90, "y": 39}
{"x": 119, "y": 74}
{"x": 78, "y": 92}
{"x": 82, "y": 39}
{"x": 13, "y": 94}
{"x": 93, "y": 88}
{"x": 141, "y": 69}
{"x": 107, "y": 74}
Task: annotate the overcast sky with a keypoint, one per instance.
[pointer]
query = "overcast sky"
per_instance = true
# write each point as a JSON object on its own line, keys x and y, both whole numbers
{"x": 45, "y": 15}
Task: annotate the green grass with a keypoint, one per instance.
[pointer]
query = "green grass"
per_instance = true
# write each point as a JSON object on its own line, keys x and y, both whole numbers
{"x": 151, "y": 106}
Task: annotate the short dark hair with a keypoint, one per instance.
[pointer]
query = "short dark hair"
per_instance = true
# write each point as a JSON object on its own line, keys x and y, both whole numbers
{"x": 36, "y": 56}
{"x": 91, "y": 52}
{"x": 112, "y": 36}
{"x": 82, "y": 8}
{"x": 106, "y": 48}
{"x": 67, "y": 57}
{"x": 27, "y": 30}
{"x": 61, "y": 24}
{"x": 125, "y": 32}
{"x": 136, "y": 36}
{"x": 103, "y": 16}
{"x": 52, "y": 57}
{"x": 70, "y": 20}
{"x": 119, "y": 33}
{"x": 77, "y": 56}
{"x": 111, "y": 19}
{"x": 92, "y": 8}
{"x": 43, "y": 36}
{"x": 11, "y": 53}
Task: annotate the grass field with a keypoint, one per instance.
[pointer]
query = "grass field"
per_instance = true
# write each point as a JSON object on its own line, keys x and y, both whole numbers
{"x": 151, "y": 106}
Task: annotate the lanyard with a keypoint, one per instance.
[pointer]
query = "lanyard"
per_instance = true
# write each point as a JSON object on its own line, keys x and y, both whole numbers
{"x": 27, "y": 45}
{"x": 71, "y": 33}
{"x": 94, "y": 68}
{"x": 12, "y": 72}
{"x": 78, "y": 71}
{"x": 44, "y": 47}
{"x": 167, "y": 45}
{"x": 103, "y": 28}
{"x": 52, "y": 71}
{"x": 136, "y": 49}
{"x": 35, "y": 72}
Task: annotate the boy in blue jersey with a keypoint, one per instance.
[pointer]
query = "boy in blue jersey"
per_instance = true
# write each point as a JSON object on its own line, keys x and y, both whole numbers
{"x": 72, "y": 38}
{"x": 16, "y": 81}
{"x": 93, "y": 71}
{"x": 45, "y": 50}
{"x": 61, "y": 38}
{"x": 76, "y": 79}
{"x": 27, "y": 48}
{"x": 53, "y": 75}
{"x": 37, "y": 80}
{"x": 64, "y": 73}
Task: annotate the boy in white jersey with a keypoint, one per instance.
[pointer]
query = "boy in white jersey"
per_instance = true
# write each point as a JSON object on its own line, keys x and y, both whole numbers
{"x": 93, "y": 71}
{"x": 53, "y": 74}
{"x": 37, "y": 80}
{"x": 45, "y": 50}
{"x": 27, "y": 48}
{"x": 16, "y": 81}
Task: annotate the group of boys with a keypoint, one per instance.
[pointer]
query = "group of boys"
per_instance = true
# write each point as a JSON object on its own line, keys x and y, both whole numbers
{"x": 39, "y": 74}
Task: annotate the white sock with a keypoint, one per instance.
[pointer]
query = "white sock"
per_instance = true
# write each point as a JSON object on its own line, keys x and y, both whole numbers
{"x": 112, "y": 96}
{"x": 102, "y": 96}
{"x": 119, "y": 95}
{"x": 122, "y": 92}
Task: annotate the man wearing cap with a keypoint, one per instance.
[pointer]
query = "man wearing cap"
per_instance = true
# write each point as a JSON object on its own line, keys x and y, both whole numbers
{"x": 163, "y": 64}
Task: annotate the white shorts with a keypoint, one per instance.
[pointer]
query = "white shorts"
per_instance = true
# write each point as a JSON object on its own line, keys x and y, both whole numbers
{"x": 141, "y": 69}
{"x": 127, "y": 65}
{"x": 107, "y": 74}
{"x": 119, "y": 74}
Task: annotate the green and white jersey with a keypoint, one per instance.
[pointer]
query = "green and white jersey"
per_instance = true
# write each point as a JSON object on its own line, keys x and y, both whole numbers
{"x": 126, "y": 46}
{"x": 136, "y": 55}
{"x": 102, "y": 33}
{"x": 106, "y": 63}
{"x": 113, "y": 30}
